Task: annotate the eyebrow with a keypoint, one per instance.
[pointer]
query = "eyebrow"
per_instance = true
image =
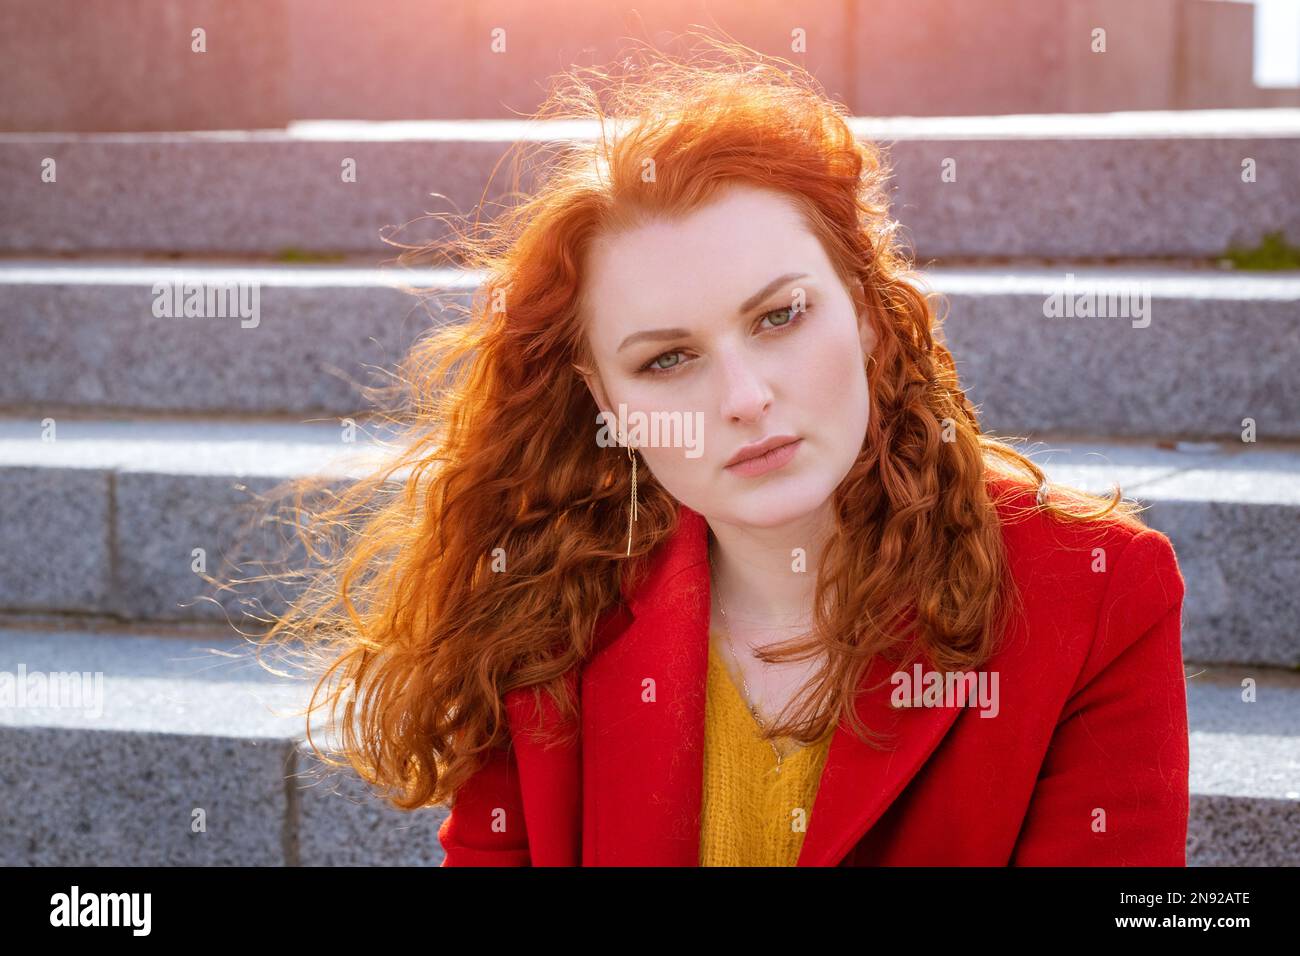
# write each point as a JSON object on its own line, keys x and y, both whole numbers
{"x": 655, "y": 335}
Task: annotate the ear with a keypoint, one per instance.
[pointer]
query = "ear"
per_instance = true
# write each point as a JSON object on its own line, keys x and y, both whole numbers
{"x": 866, "y": 335}
{"x": 591, "y": 378}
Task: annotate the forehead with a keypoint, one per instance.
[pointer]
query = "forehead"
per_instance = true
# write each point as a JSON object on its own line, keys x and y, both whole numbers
{"x": 681, "y": 271}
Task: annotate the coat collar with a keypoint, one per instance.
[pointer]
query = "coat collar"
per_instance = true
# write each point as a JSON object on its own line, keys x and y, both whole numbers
{"x": 643, "y": 697}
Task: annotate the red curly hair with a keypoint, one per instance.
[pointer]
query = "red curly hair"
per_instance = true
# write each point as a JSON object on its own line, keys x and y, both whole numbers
{"x": 415, "y": 632}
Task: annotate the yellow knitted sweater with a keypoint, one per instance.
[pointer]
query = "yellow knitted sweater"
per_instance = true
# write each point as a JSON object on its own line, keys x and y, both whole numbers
{"x": 751, "y": 815}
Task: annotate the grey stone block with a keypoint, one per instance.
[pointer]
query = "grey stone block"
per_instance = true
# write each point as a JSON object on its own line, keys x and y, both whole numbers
{"x": 1093, "y": 186}
{"x": 181, "y": 724}
{"x": 1242, "y": 564}
{"x": 308, "y": 341}
{"x": 1209, "y": 349}
{"x": 175, "y": 487}
{"x": 1225, "y": 831}
{"x": 342, "y": 822}
{"x": 172, "y": 756}
{"x": 261, "y": 192}
{"x": 96, "y": 798}
{"x": 162, "y": 520}
{"x": 57, "y": 552}
{"x": 1087, "y": 197}
{"x": 1245, "y": 768}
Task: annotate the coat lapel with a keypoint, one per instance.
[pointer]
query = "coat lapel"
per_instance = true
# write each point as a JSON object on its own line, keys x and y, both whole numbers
{"x": 643, "y": 697}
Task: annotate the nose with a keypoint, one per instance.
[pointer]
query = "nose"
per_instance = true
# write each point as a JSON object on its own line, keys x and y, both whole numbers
{"x": 745, "y": 392}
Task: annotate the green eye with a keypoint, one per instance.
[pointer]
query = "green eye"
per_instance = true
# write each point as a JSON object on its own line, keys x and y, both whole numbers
{"x": 655, "y": 364}
{"x": 795, "y": 317}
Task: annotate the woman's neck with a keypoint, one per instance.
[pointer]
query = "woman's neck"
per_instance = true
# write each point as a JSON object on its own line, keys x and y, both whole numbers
{"x": 764, "y": 580}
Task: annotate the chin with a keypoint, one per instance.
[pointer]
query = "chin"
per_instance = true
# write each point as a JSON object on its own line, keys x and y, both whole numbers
{"x": 776, "y": 503}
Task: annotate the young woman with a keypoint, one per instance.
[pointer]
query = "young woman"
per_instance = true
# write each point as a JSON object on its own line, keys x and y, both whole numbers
{"x": 698, "y": 554}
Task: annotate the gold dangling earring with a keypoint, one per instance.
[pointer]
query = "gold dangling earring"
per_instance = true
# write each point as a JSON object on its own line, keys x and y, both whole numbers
{"x": 631, "y": 513}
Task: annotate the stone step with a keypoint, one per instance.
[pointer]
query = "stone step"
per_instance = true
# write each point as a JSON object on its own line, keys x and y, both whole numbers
{"x": 1200, "y": 350}
{"x": 1241, "y": 748}
{"x": 124, "y": 517}
{"x": 181, "y": 750}
{"x": 294, "y": 339}
{"x": 111, "y": 516}
{"x": 1149, "y": 184}
{"x": 177, "y": 749}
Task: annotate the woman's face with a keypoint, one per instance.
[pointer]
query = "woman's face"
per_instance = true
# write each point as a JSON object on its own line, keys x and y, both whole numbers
{"x": 734, "y": 319}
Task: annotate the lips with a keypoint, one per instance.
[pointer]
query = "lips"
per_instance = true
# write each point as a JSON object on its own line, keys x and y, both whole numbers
{"x": 757, "y": 449}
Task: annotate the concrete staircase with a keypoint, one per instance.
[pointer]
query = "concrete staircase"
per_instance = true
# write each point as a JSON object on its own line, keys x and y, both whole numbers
{"x": 166, "y": 428}
{"x": 266, "y": 62}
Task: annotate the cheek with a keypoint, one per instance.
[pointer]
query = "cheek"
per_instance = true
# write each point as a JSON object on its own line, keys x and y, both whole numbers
{"x": 833, "y": 396}
{"x": 834, "y": 366}
{"x": 668, "y": 430}
{"x": 687, "y": 479}
{"x": 669, "y": 407}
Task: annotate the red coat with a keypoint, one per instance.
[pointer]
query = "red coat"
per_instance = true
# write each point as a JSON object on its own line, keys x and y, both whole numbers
{"x": 1085, "y": 763}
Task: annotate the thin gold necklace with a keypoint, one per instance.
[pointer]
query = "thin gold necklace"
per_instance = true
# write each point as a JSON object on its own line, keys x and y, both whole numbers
{"x": 726, "y": 630}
